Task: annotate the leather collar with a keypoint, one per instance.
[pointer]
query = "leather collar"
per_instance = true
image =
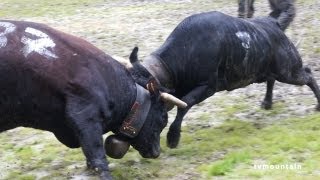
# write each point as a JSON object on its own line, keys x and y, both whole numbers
{"x": 134, "y": 121}
{"x": 159, "y": 70}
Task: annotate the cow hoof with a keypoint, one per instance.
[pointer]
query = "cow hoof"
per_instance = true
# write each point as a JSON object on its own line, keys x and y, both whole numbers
{"x": 173, "y": 138}
{"x": 266, "y": 105}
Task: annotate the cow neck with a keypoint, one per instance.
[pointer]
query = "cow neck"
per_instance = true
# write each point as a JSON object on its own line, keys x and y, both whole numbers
{"x": 159, "y": 70}
{"x": 134, "y": 121}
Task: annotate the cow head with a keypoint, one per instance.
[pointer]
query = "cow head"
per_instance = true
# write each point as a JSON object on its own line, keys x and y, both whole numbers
{"x": 147, "y": 142}
{"x": 147, "y": 139}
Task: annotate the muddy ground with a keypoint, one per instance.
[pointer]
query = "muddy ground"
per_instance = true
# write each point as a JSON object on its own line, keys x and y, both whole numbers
{"x": 116, "y": 27}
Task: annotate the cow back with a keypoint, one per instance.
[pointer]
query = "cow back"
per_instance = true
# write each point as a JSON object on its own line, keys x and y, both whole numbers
{"x": 240, "y": 50}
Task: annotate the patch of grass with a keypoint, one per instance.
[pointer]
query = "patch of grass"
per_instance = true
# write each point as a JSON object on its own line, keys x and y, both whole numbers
{"x": 205, "y": 116}
{"x": 235, "y": 108}
{"x": 205, "y": 142}
{"x": 287, "y": 142}
{"x": 33, "y": 8}
{"x": 25, "y": 153}
{"x": 221, "y": 167}
{"x": 20, "y": 176}
{"x": 230, "y": 106}
{"x": 229, "y": 150}
{"x": 277, "y": 108}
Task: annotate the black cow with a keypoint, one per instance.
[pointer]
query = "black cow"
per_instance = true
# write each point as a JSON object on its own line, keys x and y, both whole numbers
{"x": 211, "y": 52}
{"x": 60, "y": 83}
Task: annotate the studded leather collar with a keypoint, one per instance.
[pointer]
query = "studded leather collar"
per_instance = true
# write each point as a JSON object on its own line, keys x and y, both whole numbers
{"x": 134, "y": 121}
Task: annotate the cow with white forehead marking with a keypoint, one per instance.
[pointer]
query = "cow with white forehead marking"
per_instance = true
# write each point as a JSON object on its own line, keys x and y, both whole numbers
{"x": 211, "y": 52}
{"x": 60, "y": 83}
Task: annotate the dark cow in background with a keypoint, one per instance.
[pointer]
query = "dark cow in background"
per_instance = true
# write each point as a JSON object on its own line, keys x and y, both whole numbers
{"x": 283, "y": 10}
{"x": 246, "y": 8}
{"x": 60, "y": 83}
{"x": 211, "y": 52}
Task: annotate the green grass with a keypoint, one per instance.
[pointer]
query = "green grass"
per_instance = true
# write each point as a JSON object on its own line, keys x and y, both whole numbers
{"x": 227, "y": 151}
{"x": 221, "y": 167}
{"x": 287, "y": 142}
{"x": 34, "y": 8}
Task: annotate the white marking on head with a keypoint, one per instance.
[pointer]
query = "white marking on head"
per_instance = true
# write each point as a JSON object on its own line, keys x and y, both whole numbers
{"x": 9, "y": 27}
{"x": 39, "y": 45}
{"x": 245, "y": 39}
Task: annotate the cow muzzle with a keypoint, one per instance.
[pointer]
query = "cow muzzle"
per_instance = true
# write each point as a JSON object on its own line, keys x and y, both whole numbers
{"x": 151, "y": 154}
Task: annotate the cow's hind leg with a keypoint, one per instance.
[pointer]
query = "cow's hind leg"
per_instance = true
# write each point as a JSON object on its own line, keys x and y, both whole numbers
{"x": 250, "y": 8}
{"x": 267, "y": 102}
{"x": 303, "y": 77}
{"x": 242, "y": 8}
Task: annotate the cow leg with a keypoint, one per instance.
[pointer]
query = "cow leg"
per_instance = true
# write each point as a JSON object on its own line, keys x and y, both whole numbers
{"x": 85, "y": 122}
{"x": 173, "y": 135}
{"x": 267, "y": 102}
{"x": 286, "y": 17}
{"x": 303, "y": 77}
{"x": 250, "y": 8}
{"x": 194, "y": 97}
{"x": 242, "y": 9}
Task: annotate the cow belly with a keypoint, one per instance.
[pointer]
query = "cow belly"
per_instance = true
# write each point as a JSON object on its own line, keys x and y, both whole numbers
{"x": 28, "y": 101}
{"x": 239, "y": 75}
{"x": 239, "y": 84}
{"x": 230, "y": 83}
{"x": 34, "y": 112}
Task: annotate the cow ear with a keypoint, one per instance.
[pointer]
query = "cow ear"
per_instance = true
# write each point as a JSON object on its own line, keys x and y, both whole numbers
{"x": 137, "y": 65}
{"x": 134, "y": 55}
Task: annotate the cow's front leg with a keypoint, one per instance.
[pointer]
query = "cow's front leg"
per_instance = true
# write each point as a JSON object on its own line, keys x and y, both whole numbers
{"x": 92, "y": 147}
{"x": 86, "y": 124}
{"x": 173, "y": 135}
{"x": 90, "y": 138}
{"x": 194, "y": 97}
{"x": 267, "y": 102}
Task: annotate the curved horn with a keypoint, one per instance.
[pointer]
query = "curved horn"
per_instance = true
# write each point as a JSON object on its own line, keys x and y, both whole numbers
{"x": 172, "y": 99}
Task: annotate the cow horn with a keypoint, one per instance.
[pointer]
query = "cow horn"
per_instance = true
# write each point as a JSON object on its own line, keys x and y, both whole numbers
{"x": 170, "y": 98}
